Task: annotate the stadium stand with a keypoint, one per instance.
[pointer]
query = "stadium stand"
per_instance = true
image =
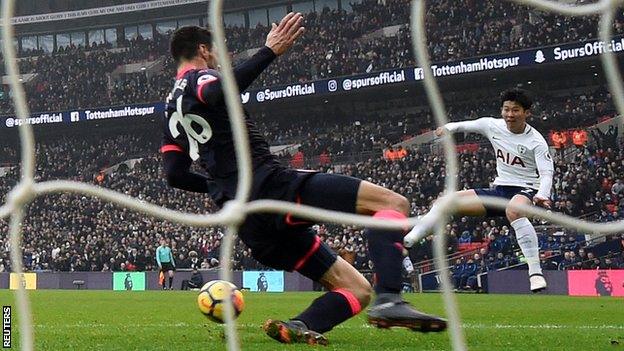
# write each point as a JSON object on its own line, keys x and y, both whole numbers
{"x": 67, "y": 75}
{"x": 90, "y": 235}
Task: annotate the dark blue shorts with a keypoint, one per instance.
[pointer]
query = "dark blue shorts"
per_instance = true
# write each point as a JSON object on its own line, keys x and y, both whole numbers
{"x": 506, "y": 192}
{"x": 285, "y": 242}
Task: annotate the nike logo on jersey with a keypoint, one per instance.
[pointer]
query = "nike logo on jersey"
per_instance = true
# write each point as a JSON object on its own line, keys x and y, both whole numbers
{"x": 495, "y": 138}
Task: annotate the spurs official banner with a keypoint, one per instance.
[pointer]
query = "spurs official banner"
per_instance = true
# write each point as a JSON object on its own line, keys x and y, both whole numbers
{"x": 502, "y": 62}
{"x": 28, "y": 281}
{"x": 269, "y": 281}
{"x": 73, "y": 116}
{"x": 596, "y": 282}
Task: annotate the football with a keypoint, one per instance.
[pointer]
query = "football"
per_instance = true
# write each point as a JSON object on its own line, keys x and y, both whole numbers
{"x": 212, "y": 296}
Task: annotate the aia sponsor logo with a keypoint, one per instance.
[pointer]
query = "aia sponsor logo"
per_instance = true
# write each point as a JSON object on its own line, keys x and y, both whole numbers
{"x": 509, "y": 159}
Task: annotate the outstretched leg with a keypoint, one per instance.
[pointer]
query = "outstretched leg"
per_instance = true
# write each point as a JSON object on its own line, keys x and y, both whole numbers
{"x": 349, "y": 292}
{"x": 386, "y": 252}
{"x": 527, "y": 240}
{"x": 429, "y": 220}
{"x": 352, "y": 195}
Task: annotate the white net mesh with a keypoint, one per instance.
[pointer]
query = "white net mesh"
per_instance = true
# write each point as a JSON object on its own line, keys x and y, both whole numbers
{"x": 235, "y": 211}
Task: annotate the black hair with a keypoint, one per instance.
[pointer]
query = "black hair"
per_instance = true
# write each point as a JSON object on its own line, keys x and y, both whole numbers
{"x": 519, "y": 96}
{"x": 186, "y": 40}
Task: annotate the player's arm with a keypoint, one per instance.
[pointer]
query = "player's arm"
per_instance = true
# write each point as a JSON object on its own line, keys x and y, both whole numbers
{"x": 473, "y": 126}
{"x": 210, "y": 88}
{"x": 177, "y": 165}
{"x": 279, "y": 40}
{"x": 546, "y": 170}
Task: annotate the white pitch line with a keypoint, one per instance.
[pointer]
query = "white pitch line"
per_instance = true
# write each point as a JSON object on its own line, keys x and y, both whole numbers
{"x": 363, "y": 326}
{"x": 541, "y": 326}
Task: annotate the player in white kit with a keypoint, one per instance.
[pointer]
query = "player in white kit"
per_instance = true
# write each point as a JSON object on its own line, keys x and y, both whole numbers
{"x": 525, "y": 172}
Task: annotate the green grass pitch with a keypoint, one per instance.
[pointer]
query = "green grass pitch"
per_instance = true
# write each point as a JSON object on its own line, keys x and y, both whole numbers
{"x": 170, "y": 320}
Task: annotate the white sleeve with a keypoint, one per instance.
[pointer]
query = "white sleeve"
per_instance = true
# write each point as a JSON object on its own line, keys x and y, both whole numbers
{"x": 545, "y": 168}
{"x": 475, "y": 126}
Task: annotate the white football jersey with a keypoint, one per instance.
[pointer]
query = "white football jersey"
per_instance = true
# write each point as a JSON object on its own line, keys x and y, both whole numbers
{"x": 521, "y": 159}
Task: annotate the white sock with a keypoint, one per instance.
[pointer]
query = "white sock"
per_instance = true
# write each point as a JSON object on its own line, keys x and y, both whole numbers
{"x": 427, "y": 223}
{"x": 527, "y": 239}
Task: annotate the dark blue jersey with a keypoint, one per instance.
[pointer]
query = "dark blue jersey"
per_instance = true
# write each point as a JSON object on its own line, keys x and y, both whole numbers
{"x": 196, "y": 122}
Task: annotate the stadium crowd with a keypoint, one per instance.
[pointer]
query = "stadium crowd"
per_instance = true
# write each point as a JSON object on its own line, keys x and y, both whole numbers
{"x": 340, "y": 135}
{"x": 66, "y": 232}
{"x": 375, "y": 131}
{"x": 338, "y": 43}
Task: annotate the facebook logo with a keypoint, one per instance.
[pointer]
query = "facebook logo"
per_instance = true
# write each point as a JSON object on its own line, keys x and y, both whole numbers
{"x": 74, "y": 116}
